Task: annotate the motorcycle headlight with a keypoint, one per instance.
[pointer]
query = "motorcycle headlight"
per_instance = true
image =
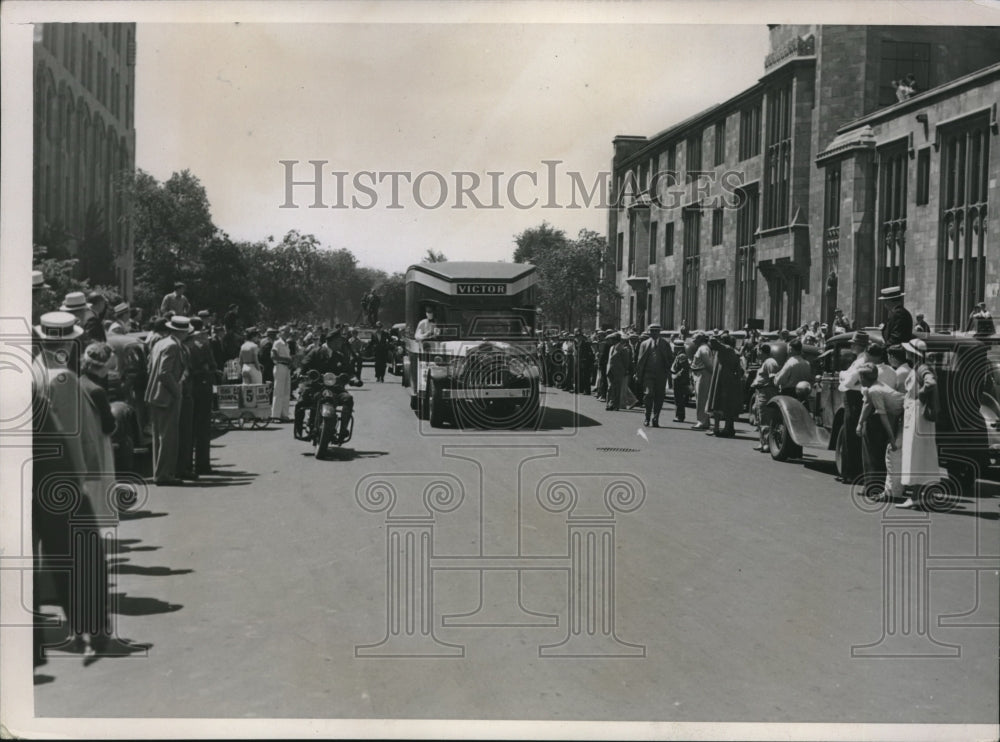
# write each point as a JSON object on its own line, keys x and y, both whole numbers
{"x": 329, "y": 379}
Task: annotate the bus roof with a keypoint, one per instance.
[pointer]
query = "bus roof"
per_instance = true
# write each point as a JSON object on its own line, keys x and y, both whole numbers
{"x": 464, "y": 270}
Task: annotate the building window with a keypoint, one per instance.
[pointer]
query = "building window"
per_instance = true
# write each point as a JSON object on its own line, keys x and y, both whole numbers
{"x": 692, "y": 229}
{"x": 750, "y": 131}
{"x": 899, "y": 59}
{"x": 965, "y": 157}
{"x": 631, "y": 310}
{"x": 778, "y": 156}
{"x": 631, "y": 242}
{"x": 746, "y": 253}
{"x": 785, "y": 286}
{"x": 652, "y": 242}
{"x": 668, "y": 240}
{"x": 923, "y": 176}
{"x": 892, "y": 216}
{"x": 667, "y": 296}
{"x": 720, "y": 142}
{"x": 831, "y": 240}
{"x": 649, "y": 309}
{"x": 831, "y": 199}
{"x": 717, "y": 226}
{"x": 694, "y": 153}
{"x": 621, "y": 247}
{"x": 715, "y": 316}
{"x": 672, "y": 159}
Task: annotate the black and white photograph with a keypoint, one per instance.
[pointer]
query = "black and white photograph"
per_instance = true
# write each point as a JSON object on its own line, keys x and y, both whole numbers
{"x": 585, "y": 370}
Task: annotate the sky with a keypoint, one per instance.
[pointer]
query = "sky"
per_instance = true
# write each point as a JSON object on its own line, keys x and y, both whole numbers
{"x": 230, "y": 101}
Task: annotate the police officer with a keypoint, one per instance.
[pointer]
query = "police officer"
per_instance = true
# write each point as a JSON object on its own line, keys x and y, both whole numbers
{"x": 332, "y": 355}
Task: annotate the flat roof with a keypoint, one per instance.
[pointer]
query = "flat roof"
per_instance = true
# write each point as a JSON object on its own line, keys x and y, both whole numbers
{"x": 473, "y": 270}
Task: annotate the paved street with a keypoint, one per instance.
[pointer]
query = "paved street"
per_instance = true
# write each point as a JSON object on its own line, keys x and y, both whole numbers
{"x": 743, "y": 582}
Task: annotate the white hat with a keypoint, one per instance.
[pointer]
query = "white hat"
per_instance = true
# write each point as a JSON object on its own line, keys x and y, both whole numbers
{"x": 58, "y": 326}
{"x": 38, "y": 280}
{"x": 74, "y": 301}
{"x": 177, "y": 322}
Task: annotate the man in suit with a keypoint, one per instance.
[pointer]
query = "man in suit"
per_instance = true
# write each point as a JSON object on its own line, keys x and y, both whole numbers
{"x": 164, "y": 395}
{"x": 380, "y": 346}
{"x": 898, "y": 327}
{"x": 203, "y": 372}
{"x": 651, "y": 369}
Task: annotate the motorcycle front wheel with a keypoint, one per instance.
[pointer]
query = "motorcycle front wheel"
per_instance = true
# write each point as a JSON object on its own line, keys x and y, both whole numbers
{"x": 325, "y": 436}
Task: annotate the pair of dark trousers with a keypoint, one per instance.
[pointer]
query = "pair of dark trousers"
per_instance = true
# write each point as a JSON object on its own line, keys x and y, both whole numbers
{"x": 681, "y": 401}
{"x": 653, "y": 391}
{"x": 873, "y": 444}
{"x": 202, "y": 425}
{"x": 379, "y": 369}
{"x": 166, "y": 438}
{"x": 185, "y": 437}
{"x": 852, "y": 464}
{"x": 70, "y": 545}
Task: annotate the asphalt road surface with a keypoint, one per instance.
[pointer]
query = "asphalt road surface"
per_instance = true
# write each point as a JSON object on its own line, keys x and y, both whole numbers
{"x": 594, "y": 569}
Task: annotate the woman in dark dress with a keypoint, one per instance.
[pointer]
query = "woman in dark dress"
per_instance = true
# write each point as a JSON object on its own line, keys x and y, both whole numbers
{"x": 725, "y": 394}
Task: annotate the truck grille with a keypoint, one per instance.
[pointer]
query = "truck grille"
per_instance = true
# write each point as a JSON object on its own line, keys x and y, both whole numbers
{"x": 485, "y": 370}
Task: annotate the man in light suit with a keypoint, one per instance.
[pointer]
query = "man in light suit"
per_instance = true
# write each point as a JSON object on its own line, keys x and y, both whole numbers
{"x": 164, "y": 395}
{"x": 652, "y": 369}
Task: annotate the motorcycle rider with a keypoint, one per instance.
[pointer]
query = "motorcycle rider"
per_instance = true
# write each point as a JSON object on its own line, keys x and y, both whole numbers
{"x": 333, "y": 356}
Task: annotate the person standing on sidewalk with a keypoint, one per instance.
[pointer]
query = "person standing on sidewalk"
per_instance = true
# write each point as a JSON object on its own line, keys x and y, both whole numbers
{"x": 701, "y": 372}
{"x": 204, "y": 373}
{"x": 282, "y": 357}
{"x": 850, "y": 384}
{"x": 765, "y": 388}
{"x": 652, "y": 368}
{"x": 680, "y": 370}
{"x": 164, "y": 397}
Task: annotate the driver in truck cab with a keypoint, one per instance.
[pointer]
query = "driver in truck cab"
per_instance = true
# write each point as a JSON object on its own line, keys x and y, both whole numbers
{"x": 426, "y": 329}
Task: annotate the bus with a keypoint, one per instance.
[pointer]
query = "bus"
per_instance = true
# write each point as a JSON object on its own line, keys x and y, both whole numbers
{"x": 476, "y": 362}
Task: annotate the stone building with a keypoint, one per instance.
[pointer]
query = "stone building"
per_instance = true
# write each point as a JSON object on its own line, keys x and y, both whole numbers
{"x": 817, "y": 186}
{"x": 84, "y": 136}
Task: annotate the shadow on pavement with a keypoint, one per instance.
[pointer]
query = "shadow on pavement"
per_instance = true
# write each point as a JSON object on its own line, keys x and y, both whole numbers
{"x": 131, "y": 569}
{"x": 126, "y": 606}
{"x": 140, "y": 514}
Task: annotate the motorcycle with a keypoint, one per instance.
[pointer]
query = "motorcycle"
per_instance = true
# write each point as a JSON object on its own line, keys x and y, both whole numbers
{"x": 324, "y": 423}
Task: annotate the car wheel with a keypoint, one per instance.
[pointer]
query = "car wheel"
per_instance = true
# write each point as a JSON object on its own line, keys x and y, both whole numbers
{"x": 435, "y": 407}
{"x": 780, "y": 441}
{"x": 840, "y": 451}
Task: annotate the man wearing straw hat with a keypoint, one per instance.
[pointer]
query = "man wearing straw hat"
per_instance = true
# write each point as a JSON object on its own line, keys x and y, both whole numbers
{"x": 120, "y": 325}
{"x": 898, "y": 327}
{"x": 164, "y": 396}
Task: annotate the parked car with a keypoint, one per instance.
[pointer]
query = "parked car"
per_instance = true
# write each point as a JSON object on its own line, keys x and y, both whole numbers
{"x": 968, "y": 436}
{"x": 127, "y": 377}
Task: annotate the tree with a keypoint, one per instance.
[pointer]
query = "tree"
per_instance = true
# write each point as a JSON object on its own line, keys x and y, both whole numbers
{"x": 435, "y": 256}
{"x": 533, "y": 244}
{"x": 392, "y": 291}
{"x": 172, "y": 226}
{"x": 569, "y": 272}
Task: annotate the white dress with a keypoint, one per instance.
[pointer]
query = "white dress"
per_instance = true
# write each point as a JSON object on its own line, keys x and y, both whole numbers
{"x": 919, "y": 455}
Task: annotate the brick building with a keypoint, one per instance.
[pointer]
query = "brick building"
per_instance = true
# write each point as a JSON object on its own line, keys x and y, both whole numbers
{"x": 84, "y": 136}
{"x": 770, "y": 205}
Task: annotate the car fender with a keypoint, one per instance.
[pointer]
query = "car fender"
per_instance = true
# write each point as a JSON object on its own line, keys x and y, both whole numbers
{"x": 799, "y": 423}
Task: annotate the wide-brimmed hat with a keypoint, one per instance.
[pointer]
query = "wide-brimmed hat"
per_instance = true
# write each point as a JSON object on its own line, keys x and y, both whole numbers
{"x": 916, "y": 346}
{"x": 654, "y": 327}
{"x": 179, "y": 323}
{"x": 121, "y": 308}
{"x": 58, "y": 326}
{"x": 272, "y": 331}
{"x": 73, "y": 302}
{"x": 893, "y": 292}
{"x": 204, "y": 313}
{"x": 38, "y": 281}
{"x": 860, "y": 338}
{"x": 678, "y": 342}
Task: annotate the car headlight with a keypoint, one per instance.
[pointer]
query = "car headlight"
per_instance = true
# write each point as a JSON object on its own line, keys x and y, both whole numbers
{"x": 517, "y": 367}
